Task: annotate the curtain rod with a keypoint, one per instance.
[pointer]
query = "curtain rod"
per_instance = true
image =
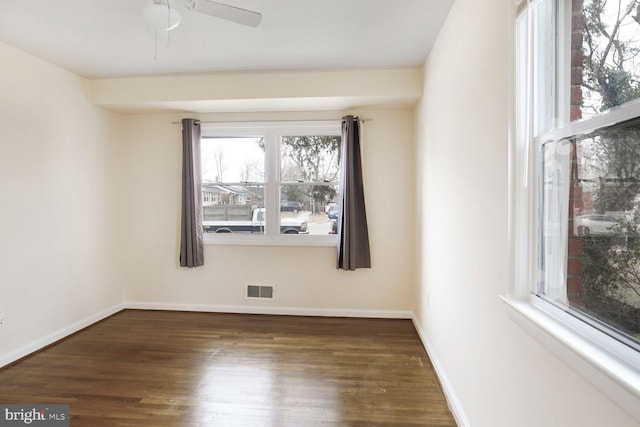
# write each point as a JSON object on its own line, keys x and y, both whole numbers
{"x": 273, "y": 121}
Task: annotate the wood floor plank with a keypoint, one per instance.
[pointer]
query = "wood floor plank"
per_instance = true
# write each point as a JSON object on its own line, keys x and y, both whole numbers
{"x": 157, "y": 368}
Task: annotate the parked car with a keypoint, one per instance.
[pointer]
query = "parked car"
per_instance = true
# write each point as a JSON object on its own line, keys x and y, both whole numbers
{"x": 332, "y": 213}
{"x": 329, "y": 206}
{"x": 294, "y": 207}
{"x": 585, "y": 225}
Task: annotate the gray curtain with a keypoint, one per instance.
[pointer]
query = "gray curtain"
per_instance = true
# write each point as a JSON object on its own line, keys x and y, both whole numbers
{"x": 353, "y": 233}
{"x": 191, "y": 244}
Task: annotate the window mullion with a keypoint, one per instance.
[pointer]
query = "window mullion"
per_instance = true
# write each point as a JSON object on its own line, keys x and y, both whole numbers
{"x": 272, "y": 191}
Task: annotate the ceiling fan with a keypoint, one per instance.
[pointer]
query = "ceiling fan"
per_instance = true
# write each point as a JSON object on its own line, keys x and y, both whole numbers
{"x": 162, "y": 14}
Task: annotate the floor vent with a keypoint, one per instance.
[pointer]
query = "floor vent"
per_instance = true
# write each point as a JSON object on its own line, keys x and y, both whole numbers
{"x": 260, "y": 291}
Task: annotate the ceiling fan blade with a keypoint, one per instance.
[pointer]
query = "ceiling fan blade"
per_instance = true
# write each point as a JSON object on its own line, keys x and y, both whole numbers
{"x": 230, "y": 13}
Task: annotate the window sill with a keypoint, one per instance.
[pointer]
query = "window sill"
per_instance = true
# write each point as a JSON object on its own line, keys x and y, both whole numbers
{"x": 610, "y": 366}
{"x": 240, "y": 240}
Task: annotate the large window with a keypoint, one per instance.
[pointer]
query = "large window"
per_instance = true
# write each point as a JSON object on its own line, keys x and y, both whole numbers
{"x": 270, "y": 182}
{"x": 577, "y": 157}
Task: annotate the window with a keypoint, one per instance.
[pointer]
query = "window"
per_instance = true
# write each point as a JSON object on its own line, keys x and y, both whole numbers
{"x": 577, "y": 173}
{"x": 270, "y": 182}
{"x": 589, "y": 161}
{"x": 590, "y": 196}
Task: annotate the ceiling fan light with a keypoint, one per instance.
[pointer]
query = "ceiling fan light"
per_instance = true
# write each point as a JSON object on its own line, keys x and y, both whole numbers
{"x": 160, "y": 17}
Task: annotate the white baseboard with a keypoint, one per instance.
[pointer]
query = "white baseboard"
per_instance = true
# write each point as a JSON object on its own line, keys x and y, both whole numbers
{"x": 452, "y": 399}
{"x": 38, "y": 344}
{"x": 282, "y": 311}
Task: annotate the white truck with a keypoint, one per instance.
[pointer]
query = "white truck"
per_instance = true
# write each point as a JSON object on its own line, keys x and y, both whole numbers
{"x": 246, "y": 219}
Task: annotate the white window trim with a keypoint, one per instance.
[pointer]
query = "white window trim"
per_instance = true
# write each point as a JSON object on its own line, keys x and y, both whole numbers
{"x": 273, "y": 130}
{"x": 610, "y": 366}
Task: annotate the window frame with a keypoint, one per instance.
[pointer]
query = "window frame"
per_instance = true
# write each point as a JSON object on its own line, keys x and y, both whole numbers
{"x": 608, "y": 364}
{"x": 272, "y": 132}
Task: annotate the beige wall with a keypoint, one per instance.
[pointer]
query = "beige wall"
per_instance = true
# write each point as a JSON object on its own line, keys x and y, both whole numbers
{"x": 498, "y": 374}
{"x": 305, "y": 277}
{"x": 90, "y": 216}
{"x": 58, "y": 168}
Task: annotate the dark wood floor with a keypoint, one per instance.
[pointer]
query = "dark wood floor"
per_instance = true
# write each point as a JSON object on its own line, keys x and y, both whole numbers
{"x": 158, "y": 368}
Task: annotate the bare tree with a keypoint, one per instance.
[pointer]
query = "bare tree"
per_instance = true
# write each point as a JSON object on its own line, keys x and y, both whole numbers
{"x": 219, "y": 164}
{"x": 610, "y": 48}
{"x": 250, "y": 171}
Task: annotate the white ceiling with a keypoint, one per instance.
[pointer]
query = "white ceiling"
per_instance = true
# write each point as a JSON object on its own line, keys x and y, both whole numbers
{"x": 110, "y": 38}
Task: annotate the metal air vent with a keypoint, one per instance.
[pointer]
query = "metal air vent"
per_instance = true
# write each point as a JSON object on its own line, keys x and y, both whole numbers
{"x": 260, "y": 291}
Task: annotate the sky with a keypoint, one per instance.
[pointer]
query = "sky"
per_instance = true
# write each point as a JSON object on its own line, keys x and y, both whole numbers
{"x": 236, "y": 155}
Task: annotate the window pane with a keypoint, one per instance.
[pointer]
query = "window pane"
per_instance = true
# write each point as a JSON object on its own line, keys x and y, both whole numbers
{"x": 309, "y": 170}
{"x": 233, "y": 160}
{"x": 312, "y": 203}
{"x": 605, "y": 48}
{"x": 602, "y": 243}
{"x": 310, "y": 158}
{"x": 233, "y": 185}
